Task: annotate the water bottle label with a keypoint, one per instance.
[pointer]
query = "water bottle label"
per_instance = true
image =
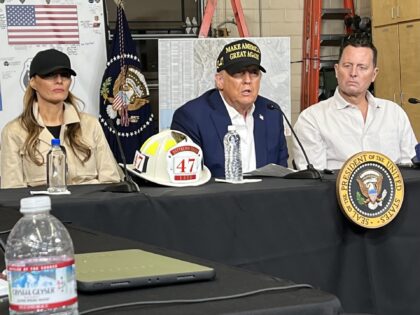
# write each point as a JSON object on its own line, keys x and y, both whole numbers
{"x": 43, "y": 287}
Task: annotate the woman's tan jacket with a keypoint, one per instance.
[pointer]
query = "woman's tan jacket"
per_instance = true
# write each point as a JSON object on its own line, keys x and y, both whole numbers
{"x": 17, "y": 170}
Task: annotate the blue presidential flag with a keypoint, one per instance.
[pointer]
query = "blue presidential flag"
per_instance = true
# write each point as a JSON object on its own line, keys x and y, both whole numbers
{"x": 124, "y": 95}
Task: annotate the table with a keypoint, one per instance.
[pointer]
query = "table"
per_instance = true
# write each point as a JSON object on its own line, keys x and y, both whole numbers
{"x": 291, "y": 229}
{"x": 228, "y": 281}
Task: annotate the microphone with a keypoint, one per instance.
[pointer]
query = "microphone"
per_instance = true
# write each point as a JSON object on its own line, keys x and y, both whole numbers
{"x": 310, "y": 172}
{"x": 128, "y": 185}
{"x": 413, "y": 100}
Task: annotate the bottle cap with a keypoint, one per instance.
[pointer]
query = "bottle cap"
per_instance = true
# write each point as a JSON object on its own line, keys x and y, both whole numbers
{"x": 55, "y": 142}
{"x": 231, "y": 127}
{"x": 35, "y": 204}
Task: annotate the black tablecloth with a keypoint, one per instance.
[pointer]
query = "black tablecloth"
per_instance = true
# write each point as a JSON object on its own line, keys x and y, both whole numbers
{"x": 292, "y": 229}
{"x": 228, "y": 281}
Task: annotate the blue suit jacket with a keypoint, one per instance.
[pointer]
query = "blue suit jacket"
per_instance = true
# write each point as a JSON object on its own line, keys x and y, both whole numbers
{"x": 205, "y": 120}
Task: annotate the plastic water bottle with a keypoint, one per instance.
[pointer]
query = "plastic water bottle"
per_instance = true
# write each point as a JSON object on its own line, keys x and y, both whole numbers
{"x": 40, "y": 262}
{"x": 233, "y": 161}
{"x": 56, "y": 168}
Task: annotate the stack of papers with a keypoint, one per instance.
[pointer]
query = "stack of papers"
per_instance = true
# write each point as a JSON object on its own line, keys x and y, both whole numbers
{"x": 46, "y": 192}
{"x": 270, "y": 170}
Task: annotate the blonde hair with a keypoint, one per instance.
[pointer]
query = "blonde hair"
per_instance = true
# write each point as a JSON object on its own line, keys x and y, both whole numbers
{"x": 29, "y": 123}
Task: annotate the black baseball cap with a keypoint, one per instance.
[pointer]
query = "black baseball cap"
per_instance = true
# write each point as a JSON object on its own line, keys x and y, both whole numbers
{"x": 48, "y": 61}
{"x": 238, "y": 55}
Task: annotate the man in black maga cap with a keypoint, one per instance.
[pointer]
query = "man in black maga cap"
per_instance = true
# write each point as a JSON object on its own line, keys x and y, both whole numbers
{"x": 235, "y": 101}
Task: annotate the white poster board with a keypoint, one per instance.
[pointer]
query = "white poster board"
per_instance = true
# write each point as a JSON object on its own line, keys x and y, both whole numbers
{"x": 187, "y": 68}
{"x": 77, "y": 28}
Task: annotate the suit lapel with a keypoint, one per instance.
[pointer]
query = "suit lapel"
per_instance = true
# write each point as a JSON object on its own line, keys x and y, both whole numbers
{"x": 219, "y": 115}
{"x": 260, "y": 139}
{"x": 45, "y": 136}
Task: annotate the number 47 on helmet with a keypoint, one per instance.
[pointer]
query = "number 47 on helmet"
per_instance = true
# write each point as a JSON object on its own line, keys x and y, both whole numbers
{"x": 170, "y": 158}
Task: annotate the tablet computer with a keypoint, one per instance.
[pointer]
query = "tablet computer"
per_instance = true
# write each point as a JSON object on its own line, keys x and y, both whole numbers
{"x": 134, "y": 268}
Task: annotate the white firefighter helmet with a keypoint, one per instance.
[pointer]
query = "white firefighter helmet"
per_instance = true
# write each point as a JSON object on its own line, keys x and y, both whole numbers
{"x": 171, "y": 158}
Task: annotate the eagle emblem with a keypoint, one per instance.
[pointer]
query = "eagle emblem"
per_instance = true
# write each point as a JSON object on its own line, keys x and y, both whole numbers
{"x": 130, "y": 92}
{"x": 370, "y": 184}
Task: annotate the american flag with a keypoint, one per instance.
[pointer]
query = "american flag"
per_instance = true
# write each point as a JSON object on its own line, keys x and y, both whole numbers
{"x": 42, "y": 24}
{"x": 135, "y": 125}
{"x": 119, "y": 101}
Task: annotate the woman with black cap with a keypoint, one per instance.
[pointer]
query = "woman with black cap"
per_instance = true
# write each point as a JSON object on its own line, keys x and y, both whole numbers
{"x": 50, "y": 111}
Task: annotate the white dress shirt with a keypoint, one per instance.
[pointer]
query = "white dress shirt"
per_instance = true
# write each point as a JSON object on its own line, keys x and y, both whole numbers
{"x": 245, "y": 129}
{"x": 333, "y": 130}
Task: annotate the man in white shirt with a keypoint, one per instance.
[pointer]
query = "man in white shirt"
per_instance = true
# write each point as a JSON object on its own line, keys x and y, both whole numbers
{"x": 353, "y": 120}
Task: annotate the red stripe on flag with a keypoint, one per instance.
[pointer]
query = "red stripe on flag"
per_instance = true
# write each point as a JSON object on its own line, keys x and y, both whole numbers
{"x": 28, "y": 42}
{"x": 56, "y": 12}
{"x": 50, "y": 18}
{"x": 56, "y": 6}
{"x": 50, "y": 30}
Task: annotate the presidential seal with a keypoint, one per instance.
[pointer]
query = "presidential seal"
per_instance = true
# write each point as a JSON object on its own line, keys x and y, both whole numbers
{"x": 129, "y": 92}
{"x": 370, "y": 189}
